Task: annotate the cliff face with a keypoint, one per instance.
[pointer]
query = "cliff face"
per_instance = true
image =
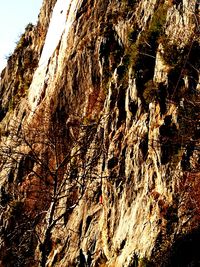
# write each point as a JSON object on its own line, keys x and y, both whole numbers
{"x": 100, "y": 136}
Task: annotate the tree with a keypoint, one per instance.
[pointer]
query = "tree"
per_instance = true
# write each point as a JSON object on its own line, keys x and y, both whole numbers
{"x": 51, "y": 180}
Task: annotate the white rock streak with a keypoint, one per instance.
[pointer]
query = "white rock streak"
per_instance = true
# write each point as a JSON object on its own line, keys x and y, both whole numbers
{"x": 63, "y": 16}
{"x": 56, "y": 28}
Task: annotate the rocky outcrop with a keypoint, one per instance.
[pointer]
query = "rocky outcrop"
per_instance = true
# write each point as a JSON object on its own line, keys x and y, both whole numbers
{"x": 100, "y": 136}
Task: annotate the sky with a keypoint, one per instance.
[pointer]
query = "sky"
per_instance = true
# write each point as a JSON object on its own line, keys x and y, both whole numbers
{"x": 14, "y": 16}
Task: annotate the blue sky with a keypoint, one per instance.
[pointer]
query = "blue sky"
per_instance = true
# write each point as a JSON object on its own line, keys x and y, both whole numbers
{"x": 14, "y": 16}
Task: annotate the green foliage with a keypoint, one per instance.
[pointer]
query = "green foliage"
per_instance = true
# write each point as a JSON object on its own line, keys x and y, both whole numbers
{"x": 21, "y": 42}
{"x": 11, "y": 104}
{"x": 150, "y": 91}
{"x": 133, "y": 54}
{"x": 144, "y": 262}
{"x": 144, "y": 48}
{"x": 156, "y": 27}
{"x": 141, "y": 53}
{"x": 24, "y": 39}
{"x": 22, "y": 87}
{"x": 158, "y": 21}
{"x": 173, "y": 55}
{"x": 24, "y": 60}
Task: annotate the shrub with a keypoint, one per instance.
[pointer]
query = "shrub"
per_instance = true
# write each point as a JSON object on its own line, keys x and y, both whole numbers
{"x": 133, "y": 54}
{"x": 173, "y": 55}
{"x": 144, "y": 262}
{"x": 29, "y": 27}
{"x": 150, "y": 92}
{"x": 143, "y": 51}
{"x": 155, "y": 30}
{"x": 21, "y": 42}
{"x": 158, "y": 20}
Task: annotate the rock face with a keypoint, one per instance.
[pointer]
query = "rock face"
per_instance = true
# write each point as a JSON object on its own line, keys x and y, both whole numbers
{"x": 100, "y": 136}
